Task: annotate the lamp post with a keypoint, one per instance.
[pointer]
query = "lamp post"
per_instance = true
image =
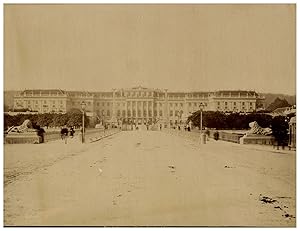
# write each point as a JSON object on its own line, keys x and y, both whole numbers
{"x": 83, "y": 104}
{"x": 201, "y": 106}
{"x": 180, "y": 118}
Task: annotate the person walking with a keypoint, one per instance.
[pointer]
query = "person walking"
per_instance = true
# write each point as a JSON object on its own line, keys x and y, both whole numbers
{"x": 41, "y": 133}
{"x": 72, "y": 131}
{"x": 64, "y": 134}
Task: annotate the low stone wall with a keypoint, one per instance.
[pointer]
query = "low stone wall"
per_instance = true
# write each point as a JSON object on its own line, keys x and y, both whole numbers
{"x": 223, "y": 135}
{"x": 257, "y": 139}
{"x": 33, "y": 138}
{"x": 195, "y": 134}
{"x": 22, "y": 138}
{"x": 230, "y": 137}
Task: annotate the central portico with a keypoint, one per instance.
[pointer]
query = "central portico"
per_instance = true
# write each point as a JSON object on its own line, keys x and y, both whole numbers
{"x": 139, "y": 105}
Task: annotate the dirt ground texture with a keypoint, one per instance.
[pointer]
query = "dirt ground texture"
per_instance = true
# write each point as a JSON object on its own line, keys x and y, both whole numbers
{"x": 148, "y": 178}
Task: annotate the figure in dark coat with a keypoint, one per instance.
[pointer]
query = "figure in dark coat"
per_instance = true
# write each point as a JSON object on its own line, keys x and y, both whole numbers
{"x": 64, "y": 134}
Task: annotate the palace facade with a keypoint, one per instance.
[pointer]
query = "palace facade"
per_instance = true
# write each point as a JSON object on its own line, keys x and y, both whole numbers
{"x": 137, "y": 104}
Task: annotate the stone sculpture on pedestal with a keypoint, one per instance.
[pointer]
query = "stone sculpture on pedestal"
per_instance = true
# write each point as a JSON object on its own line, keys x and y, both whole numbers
{"x": 256, "y": 129}
{"x": 25, "y": 133}
{"x": 257, "y": 135}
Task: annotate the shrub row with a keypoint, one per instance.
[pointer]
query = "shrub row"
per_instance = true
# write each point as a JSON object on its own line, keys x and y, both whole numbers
{"x": 72, "y": 118}
{"x": 236, "y": 121}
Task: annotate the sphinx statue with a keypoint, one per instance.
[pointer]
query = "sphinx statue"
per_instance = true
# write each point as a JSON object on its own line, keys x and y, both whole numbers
{"x": 25, "y": 133}
{"x": 256, "y": 129}
{"x": 26, "y": 126}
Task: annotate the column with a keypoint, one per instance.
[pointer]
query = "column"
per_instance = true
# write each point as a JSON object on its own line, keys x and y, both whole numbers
{"x": 136, "y": 114}
{"x": 166, "y": 107}
{"x": 152, "y": 110}
{"x": 126, "y": 106}
{"x": 147, "y": 110}
{"x": 131, "y": 110}
{"x": 142, "y": 111}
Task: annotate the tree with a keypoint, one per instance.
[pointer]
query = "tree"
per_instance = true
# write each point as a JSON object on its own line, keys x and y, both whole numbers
{"x": 45, "y": 119}
{"x": 219, "y": 120}
{"x": 280, "y": 130}
{"x": 236, "y": 121}
{"x": 210, "y": 119}
{"x": 75, "y": 118}
{"x": 7, "y": 121}
{"x": 59, "y": 120}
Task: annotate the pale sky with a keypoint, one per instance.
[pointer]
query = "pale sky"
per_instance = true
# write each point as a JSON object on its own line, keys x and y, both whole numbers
{"x": 177, "y": 47}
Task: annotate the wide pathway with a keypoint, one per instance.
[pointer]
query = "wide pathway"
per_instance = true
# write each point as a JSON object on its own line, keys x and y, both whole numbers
{"x": 148, "y": 178}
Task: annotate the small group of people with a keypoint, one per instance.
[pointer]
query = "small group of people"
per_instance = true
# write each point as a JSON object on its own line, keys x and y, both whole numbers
{"x": 65, "y": 132}
{"x": 187, "y": 128}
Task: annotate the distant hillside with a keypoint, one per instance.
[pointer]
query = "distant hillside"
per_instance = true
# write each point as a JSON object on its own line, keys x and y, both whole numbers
{"x": 278, "y": 103}
{"x": 270, "y": 97}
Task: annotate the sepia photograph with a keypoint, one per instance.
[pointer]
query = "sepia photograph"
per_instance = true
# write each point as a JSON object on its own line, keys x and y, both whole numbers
{"x": 149, "y": 115}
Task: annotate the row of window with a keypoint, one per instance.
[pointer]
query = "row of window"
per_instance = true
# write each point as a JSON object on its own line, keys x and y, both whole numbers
{"x": 234, "y": 103}
{"x": 39, "y": 101}
{"x": 140, "y": 103}
{"x": 45, "y": 105}
{"x": 176, "y": 104}
{"x": 140, "y": 113}
{"x": 53, "y": 110}
{"x": 128, "y": 103}
{"x": 189, "y": 96}
{"x": 197, "y": 104}
{"x": 79, "y": 103}
{"x": 176, "y": 113}
{"x": 134, "y": 94}
{"x": 234, "y": 109}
